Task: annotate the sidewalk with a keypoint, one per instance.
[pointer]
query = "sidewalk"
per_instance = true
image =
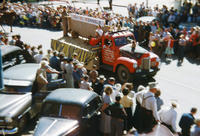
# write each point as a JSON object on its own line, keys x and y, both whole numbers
{"x": 119, "y": 6}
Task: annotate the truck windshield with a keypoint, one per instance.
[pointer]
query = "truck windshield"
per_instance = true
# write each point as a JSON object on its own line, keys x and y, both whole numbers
{"x": 120, "y": 41}
{"x": 17, "y": 89}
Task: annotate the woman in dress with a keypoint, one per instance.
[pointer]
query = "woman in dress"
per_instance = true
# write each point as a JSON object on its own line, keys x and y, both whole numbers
{"x": 105, "y": 126}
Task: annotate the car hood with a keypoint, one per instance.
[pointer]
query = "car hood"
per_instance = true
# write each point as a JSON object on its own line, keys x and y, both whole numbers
{"x": 51, "y": 126}
{"x": 12, "y": 104}
{"x": 21, "y": 75}
{"x": 128, "y": 48}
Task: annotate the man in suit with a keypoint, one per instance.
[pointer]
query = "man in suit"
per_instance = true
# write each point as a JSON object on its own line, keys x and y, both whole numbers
{"x": 186, "y": 121}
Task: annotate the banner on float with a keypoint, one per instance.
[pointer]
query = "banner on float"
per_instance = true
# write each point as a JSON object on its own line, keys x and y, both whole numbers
{"x": 1, "y": 72}
{"x": 86, "y": 19}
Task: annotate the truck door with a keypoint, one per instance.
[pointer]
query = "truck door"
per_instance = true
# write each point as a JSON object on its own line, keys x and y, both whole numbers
{"x": 108, "y": 55}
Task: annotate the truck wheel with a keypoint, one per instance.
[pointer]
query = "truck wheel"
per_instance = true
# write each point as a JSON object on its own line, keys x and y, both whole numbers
{"x": 123, "y": 74}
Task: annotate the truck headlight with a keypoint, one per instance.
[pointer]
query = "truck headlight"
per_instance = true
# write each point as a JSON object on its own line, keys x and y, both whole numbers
{"x": 135, "y": 65}
{"x": 8, "y": 119}
{"x": 157, "y": 60}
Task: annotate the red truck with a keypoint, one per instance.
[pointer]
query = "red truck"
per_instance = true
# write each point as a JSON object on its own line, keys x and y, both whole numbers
{"x": 115, "y": 53}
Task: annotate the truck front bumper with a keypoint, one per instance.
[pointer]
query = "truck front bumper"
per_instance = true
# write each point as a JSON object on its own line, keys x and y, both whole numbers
{"x": 146, "y": 73}
{"x": 8, "y": 131}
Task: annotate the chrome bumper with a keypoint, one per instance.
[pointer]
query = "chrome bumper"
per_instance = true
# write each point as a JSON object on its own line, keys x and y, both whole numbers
{"x": 8, "y": 131}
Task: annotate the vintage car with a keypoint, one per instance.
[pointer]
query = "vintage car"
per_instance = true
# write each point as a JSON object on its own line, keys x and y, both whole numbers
{"x": 147, "y": 19}
{"x": 13, "y": 55}
{"x": 69, "y": 112}
{"x": 16, "y": 106}
{"x": 188, "y": 26}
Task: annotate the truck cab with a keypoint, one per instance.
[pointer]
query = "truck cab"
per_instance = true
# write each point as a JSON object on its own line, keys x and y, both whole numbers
{"x": 117, "y": 54}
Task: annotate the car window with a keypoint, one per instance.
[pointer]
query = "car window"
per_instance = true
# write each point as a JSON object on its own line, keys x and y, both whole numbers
{"x": 70, "y": 111}
{"x": 13, "y": 58}
{"x": 17, "y": 89}
{"x": 51, "y": 109}
{"x": 60, "y": 110}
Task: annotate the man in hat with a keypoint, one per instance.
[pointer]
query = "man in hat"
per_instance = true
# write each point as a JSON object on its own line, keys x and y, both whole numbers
{"x": 75, "y": 58}
{"x": 149, "y": 115}
{"x": 98, "y": 86}
{"x": 78, "y": 74}
{"x": 168, "y": 117}
{"x": 111, "y": 83}
{"x": 93, "y": 74}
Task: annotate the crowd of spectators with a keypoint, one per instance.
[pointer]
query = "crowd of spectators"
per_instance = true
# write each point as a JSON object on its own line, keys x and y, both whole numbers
{"x": 162, "y": 36}
{"x": 77, "y": 76}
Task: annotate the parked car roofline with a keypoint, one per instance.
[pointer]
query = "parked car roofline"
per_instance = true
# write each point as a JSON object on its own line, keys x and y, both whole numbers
{"x": 6, "y": 49}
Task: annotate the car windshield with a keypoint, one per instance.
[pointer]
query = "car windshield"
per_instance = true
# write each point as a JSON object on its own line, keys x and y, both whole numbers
{"x": 16, "y": 89}
{"x": 61, "y": 110}
{"x": 120, "y": 41}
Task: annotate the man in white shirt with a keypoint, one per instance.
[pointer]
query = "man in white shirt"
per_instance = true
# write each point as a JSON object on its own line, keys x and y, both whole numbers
{"x": 38, "y": 57}
{"x": 99, "y": 32}
{"x": 149, "y": 101}
{"x": 168, "y": 117}
{"x": 148, "y": 110}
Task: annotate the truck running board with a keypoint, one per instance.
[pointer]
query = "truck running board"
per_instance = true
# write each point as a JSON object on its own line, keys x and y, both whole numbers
{"x": 106, "y": 67}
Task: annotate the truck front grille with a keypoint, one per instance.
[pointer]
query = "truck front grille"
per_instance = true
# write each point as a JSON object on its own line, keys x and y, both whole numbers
{"x": 146, "y": 64}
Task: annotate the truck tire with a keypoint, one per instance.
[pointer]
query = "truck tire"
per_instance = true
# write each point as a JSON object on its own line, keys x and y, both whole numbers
{"x": 123, "y": 74}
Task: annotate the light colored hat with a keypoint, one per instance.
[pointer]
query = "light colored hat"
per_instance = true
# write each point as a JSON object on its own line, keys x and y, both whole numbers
{"x": 174, "y": 103}
{"x": 140, "y": 88}
{"x": 118, "y": 87}
{"x": 101, "y": 77}
{"x": 43, "y": 63}
{"x": 80, "y": 65}
{"x": 153, "y": 85}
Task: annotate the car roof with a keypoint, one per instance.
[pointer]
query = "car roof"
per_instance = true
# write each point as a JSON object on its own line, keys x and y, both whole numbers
{"x": 21, "y": 72}
{"x": 6, "y": 49}
{"x": 74, "y": 96}
{"x": 187, "y": 25}
{"x": 146, "y": 19}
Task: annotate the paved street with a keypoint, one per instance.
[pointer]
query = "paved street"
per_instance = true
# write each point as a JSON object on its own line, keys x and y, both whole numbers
{"x": 176, "y": 83}
{"x": 180, "y": 83}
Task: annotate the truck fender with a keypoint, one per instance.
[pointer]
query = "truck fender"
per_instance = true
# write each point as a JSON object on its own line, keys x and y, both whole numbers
{"x": 127, "y": 62}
